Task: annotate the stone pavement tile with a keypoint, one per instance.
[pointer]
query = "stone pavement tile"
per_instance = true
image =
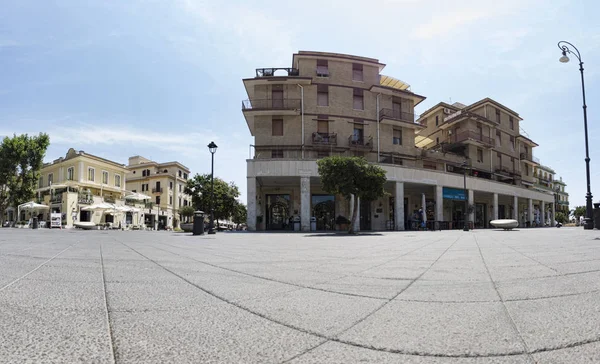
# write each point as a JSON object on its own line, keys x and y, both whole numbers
{"x": 315, "y": 311}
{"x": 398, "y": 270}
{"x": 136, "y": 271}
{"x": 214, "y": 333}
{"x": 520, "y": 272}
{"x": 69, "y": 270}
{"x": 577, "y": 267}
{"x": 372, "y": 287}
{"x": 546, "y": 287}
{"x": 18, "y": 265}
{"x": 555, "y": 322}
{"x": 153, "y": 296}
{"x": 29, "y": 335}
{"x": 54, "y": 295}
{"x": 450, "y": 292}
{"x": 448, "y": 273}
{"x": 294, "y": 276}
{"x": 338, "y": 353}
{"x": 582, "y": 354}
{"x": 439, "y": 328}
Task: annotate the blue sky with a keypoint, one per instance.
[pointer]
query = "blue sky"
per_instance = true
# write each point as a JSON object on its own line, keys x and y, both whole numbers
{"x": 163, "y": 78}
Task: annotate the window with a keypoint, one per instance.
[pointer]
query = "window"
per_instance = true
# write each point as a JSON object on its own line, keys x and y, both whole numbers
{"x": 180, "y": 173}
{"x": 437, "y": 140}
{"x": 479, "y": 155}
{"x": 323, "y": 127}
{"x": 70, "y": 173}
{"x": 322, "y": 154}
{"x": 134, "y": 191}
{"x": 357, "y": 134}
{"x": 105, "y": 177}
{"x": 437, "y": 120}
{"x": 526, "y": 170}
{"x": 91, "y": 174}
{"x": 41, "y": 182}
{"x": 117, "y": 180}
{"x": 511, "y": 123}
{"x": 50, "y": 179}
{"x": 514, "y": 166}
{"x": 170, "y": 200}
{"x": 322, "y": 95}
{"x": 157, "y": 200}
{"x": 397, "y": 140}
{"x": 277, "y": 96}
{"x": 358, "y": 103}
{"x": 185, "y": 176}
{"x": 165, "y": 171}
{"x": 357, "y": 72}
{"x": 512, "y": 142}
{"x": 526, "y": 151}
{"x": 277, "y": 153}
{"x": 498, "y": 116}
{"x": 499, "y": 138}
{"x": 277, "y": 127}
{"x": 322, "y": 68}
{"x": 179, "y": 188}
{"x": 170, "y": 185}
{"x": 499, "y": 160}
{"x": 429, "y": 165}
{"x": 179, "y": 201}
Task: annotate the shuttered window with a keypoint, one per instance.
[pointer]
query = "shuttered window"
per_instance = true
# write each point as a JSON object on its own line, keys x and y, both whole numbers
{"x": 357, "y": 72}
{"x": 277, "y": 127}
{"x": 358, "y": 103}
{"x": 397, "y": 137}
{"x": 322, "y": 95}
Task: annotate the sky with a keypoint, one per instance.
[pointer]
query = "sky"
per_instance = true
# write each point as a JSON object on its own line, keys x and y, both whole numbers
{"x": 162, "y": 79}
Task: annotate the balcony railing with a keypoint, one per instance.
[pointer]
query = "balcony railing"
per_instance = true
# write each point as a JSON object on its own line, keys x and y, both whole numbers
{"x": 324, "y": 139}
{"x": 471, "y": 135}
{"x": 157, "y": 190}
{"x": 57, "y": 198}
{"x": 85, "y": 200}
{"x": 396, "y": 115}
{"x": 109, "y": 199}
{"x": 271, "y": 104}
{"x": 526, "y": 157}
{"x": 507, "y": 171}
{"x": 468, "y": 114}
{"x": 270, "y": 72}
{"x": 360, "y": 142}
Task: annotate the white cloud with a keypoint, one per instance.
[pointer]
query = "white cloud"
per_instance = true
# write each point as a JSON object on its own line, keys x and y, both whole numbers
{"x": 443, "y": 24}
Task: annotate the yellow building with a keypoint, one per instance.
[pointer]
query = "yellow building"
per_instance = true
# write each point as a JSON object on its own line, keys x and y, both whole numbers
{"x": 78, "y": 180}
{"x": 164, "y": 183}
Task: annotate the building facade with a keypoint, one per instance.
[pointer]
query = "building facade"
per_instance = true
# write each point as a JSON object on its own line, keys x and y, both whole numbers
{"x": 562, "y": 197}
{"x": 335, "y": 104}
{"x": 78, "y": 180}
{"x": 165, "y": 184}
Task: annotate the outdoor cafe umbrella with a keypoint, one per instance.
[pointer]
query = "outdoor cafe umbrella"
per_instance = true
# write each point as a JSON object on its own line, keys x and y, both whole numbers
{"x": 31, "y": 206}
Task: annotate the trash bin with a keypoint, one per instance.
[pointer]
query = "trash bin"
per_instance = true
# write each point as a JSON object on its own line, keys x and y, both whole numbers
{"x": 34, "y": 223}
{"x": 198, "y": 228}
{"x": 313, "y": 224}
{"x": 296, "y": 223}
{"x": 597, "y": 216}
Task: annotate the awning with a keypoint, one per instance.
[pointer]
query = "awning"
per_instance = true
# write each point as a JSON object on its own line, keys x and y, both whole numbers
{"x": 98, "y": 207}
{"x": 527, "y": 183}
{"x": 31, "y": 205}
{"x": 137, "y": 196}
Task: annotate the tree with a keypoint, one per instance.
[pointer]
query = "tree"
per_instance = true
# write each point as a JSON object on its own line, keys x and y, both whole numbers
{"x": 561, "y": 217}
{"x": 579, "y": 211}
{"x": 21, "y": 159}
{"x": 240, "y": 213}
{"x": 349, "y": 176}
{"x": 199, "y": 187}
{"x": 187, "y": 211}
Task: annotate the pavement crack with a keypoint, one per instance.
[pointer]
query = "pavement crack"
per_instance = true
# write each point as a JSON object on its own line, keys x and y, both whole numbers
{"x": 107, "y": 311}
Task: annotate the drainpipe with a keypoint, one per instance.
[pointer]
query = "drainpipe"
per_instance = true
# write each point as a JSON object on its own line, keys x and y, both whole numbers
{"x": 378, "y": 157}
{"x": 302, "y": 113}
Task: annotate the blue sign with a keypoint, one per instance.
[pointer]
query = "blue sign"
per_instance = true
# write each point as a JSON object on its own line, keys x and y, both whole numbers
{"x": 454, "y": 193}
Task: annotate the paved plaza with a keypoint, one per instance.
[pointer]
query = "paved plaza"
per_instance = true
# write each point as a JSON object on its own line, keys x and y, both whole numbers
{"x": 486, "y": 296}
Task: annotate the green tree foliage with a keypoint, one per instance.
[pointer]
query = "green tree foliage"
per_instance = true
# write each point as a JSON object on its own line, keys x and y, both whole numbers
{"x": 21, "y": 158}
{"x": 579, "y": 211}
{"x": 199, "y": 187}
{"x": 187, "y": 212}
{"x": 240, "y": 213}
{"x": 349, "y": 176}
{"x": 561, "y": 217}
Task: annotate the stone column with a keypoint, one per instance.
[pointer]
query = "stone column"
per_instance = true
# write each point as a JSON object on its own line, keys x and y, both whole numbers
{"x": 81, "y": 171}
{"x": 305, "y": 203}
{"x": 424, "y": 207}
{"x": 439, "y": 203}
{"x": 251, "y": 200}
{"x": 471, "y": 203}
{"x": 530, "y": 211}
{"x": 543, "y": 214}
{"x": 553, "y": 215}
{"x": 356, "y": 226}
{"x": 495, "y": 217}
{"x": 399, "y": 206}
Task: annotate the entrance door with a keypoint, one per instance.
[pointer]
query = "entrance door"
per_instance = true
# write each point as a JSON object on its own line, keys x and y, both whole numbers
{"x": 397, "y": 110}
{"x": 324, "y": 211}
{"x": 278, "y": 207}
{"x": 480, "y": 216}
{"x": 501, "y": 212}
{"x": 365, "y": 215}
{"x": 277, "y": 97}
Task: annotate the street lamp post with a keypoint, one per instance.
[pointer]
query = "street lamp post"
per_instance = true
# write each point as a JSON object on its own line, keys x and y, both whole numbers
{"x": 565, "y": 47}
{"x": 465, "y": 165}
{"x": 212, "y": 147}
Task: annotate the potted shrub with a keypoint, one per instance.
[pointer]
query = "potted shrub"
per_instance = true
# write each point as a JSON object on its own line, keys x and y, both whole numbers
{"x": 342, "y": 223}
{"x": 187, "y": 212}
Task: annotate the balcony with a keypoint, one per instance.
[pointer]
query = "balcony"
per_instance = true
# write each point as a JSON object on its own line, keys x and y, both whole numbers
{"x": 157, "y": 190}
{"x": 395, "y": 115}
{"x": 56, "y": 198}
{"x": 270, "y": 72}
{"x": 466, "y": 115}
{"x": 324, "y": 139}
{"x": 271, "y": 104}
{"x": 471, "y": 136}
{"x": 109, "y": 199}
{"x": 506, "y": 172}
{"x": 527, "y": 158}
{"x": 360, "y": 142}
{"x": 85, "y": 200}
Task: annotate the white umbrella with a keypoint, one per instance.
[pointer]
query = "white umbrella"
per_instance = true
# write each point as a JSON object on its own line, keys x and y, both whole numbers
{"x": 137, "y": 196}
{"x": 98, "y": 207}
{"x": 31, "y": 206}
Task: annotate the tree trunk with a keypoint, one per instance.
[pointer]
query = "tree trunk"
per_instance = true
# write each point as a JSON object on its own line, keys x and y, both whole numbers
{"x": 354, "y": 215}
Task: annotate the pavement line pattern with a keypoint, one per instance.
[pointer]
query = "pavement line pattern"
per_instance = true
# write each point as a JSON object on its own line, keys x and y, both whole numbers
{"x": 111, "y": 337}
{"x": 35, "y": 269}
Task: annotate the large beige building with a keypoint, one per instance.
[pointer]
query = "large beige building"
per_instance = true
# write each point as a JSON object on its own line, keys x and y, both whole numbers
{"x": 165, "y": 184}
{"x": 78, "y": 180}
{"x": 335, "y": 104}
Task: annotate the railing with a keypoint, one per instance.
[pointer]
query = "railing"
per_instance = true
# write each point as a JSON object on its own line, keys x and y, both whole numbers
{"x": 324, "y": 138}
{"x": 461, "y": 113}
{"x": 507, "y": 171}
{"x": 471, "y": 135}
{"x": 109, "y": 199}
{"x": 130, "y": 203}
{"x": 270, "y": 72}
{"x": 360, "y": 142}
{"x": 526, "y": 157}
{"x": 271, "y": 104}
{"x": 85, "y": 200}
{"x": 396, "y": 115}
{"x": 57, "y": 198}
{"x": 157, "y": 190}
